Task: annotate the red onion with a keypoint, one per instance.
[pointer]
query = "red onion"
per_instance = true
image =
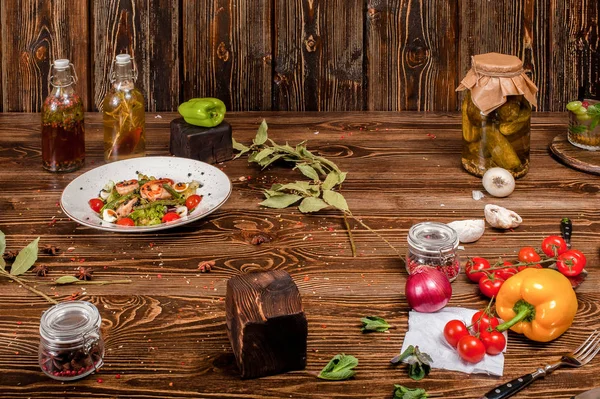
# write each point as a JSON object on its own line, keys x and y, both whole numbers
{"x": 427, "y": 289}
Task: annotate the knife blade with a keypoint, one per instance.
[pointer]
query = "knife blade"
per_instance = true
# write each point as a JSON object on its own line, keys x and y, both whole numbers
{"x": 591, "y": 394}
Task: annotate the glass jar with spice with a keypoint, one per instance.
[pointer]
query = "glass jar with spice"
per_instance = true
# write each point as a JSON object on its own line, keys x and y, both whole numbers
{"x": 63, "y": 142}
{"x": 433, "y": 244}
{"x": 71, "y": 344}
{"x": 123, "y": 113}
{"x": 496, "y": 115}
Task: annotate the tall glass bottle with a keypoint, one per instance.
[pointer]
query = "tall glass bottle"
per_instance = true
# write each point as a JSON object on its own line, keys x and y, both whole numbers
{"x": 63, "y": 142}
{"x": 123, "y": 113}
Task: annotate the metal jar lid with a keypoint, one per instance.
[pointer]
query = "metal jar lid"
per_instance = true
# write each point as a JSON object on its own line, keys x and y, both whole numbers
{"x": 432, "y": 238}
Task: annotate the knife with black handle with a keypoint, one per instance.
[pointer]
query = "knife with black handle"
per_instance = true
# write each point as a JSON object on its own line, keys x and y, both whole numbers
{"x": 510, "y": 388}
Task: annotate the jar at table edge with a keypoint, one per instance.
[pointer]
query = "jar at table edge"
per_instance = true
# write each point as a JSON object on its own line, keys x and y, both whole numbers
{"x": 433, "y": 244}
{"x": 71, "y": 344}
{"x": 496, "y": 115}
{"x": 63, "y": 141}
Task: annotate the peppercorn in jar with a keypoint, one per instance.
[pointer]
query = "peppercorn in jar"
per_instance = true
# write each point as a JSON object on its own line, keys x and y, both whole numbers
{"x": 496, "y": 115}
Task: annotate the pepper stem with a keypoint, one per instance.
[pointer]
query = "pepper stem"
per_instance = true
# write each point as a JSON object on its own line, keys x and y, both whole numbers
{"x": 524, "y": 312}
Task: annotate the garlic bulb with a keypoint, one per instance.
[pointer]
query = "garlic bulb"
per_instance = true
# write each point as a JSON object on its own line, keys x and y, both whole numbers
{"x": 469, "y": 230}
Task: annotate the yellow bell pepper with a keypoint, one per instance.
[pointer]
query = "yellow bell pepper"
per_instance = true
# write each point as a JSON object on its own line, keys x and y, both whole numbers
{"x": 539, "y": 303}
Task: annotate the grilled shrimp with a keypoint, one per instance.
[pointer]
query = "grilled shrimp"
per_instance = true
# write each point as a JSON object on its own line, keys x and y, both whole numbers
{"x": 127, "y": 186}
{"x": 154, "y": 190}
{"x": 125, "y": 209}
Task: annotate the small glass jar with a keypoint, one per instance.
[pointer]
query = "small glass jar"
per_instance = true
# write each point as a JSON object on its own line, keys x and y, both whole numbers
{"x": 584, "y": 126}
{"x": 71, "y": 345}
{"x": 433, "y": 244}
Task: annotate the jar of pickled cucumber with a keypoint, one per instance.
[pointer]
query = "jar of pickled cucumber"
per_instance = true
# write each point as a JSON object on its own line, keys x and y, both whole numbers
{"x": 496, "y": 115}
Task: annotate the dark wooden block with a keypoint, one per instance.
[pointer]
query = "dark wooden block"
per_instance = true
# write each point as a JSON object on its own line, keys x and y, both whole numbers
{"x": 207, "y": 144}
{"x": 266, "y": 324}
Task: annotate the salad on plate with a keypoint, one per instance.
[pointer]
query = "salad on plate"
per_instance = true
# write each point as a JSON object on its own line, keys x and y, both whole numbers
{"x": 146, "y": 201}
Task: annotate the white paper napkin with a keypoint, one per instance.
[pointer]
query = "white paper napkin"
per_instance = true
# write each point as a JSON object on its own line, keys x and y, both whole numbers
{"x": 427, "y": 331}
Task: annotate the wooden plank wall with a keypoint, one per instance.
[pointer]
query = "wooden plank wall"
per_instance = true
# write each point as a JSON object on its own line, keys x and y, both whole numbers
{"x": 305, "y": 55}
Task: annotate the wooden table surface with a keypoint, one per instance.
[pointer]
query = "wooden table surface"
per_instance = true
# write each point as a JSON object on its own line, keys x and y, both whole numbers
{"x": 165, "y": 333}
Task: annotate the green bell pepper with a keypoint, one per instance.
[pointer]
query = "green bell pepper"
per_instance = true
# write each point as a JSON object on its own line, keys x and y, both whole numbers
{"x": 205, "y": 112}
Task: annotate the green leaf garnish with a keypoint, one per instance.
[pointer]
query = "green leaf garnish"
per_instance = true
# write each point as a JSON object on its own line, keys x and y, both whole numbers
{"x": 66, "y": 280}
{"x": 25, "y": 259}
{"x": 401, "y": 392}
{"x": 374, "y": 323}
{"x": 312, "y": 204}
{"x": 339, "y": 368}
{"x": 281, "y": 201}
{"x": 419, "y": 363}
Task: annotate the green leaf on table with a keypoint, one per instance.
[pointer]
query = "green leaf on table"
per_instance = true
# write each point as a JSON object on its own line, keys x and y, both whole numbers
{"x": 240, "y": 147}
{"x": 26, "y": 258}
{"x": 300, "y": 186}
{"x": 314, "y": 190}
{"x": 263, "y": 154}
{"x": 281, "y": 201}
{"x": 335, "y": 199}
{"x": 2, "y": 249}
{"x": 308, "y": 171}
{"x": 419, "y": 363}
{"x": 261, "y": 134}
{"x": 312, "y": 204}
{"x": 339, "y": 368}
{"x": 66, "y": 280}
{"x": 332, "y": 179}
{"x": 374, "y": 323}
{"x": 272, "y": 193}
{"x": 401, "y": 392}
{"x": 317, "y": 166}
{"x": 268, "y": 161}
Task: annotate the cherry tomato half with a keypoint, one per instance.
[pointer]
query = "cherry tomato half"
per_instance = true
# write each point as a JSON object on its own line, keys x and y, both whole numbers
{"x": 192, "y": 201}
{"x": 482, "y": 321}
{"x": 554, "y": 245}
{"x": 529, "y": 255}
{"x": 506, "y": 273}
{"x": 125, "y": 222}
{"x": 474, "y": 268}
{"x": 571, "y": 262}
{"x": 454, "y": 331}
{"x": 96, "y": 204}
{"x": 169, "y": 217}
{"x": 490, "y": 286}
{"x": 494, "y": 342}
{"x": 471, "y": 349}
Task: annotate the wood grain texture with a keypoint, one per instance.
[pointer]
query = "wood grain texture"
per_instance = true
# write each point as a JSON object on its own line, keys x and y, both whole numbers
{"x": 227, "y": 52}
{"x": 319, "y": 60}
{"x": 168, "y": 326}
{"x": 411, "y": 55}
{"x": 34, "y": 34}
{"x": 147, "y": 30}
{"x": 575, "y": 60}
{"x": 518, "y": 28}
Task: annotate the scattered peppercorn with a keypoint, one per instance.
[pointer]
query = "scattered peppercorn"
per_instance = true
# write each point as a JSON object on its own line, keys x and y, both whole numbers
{"x": 40, "y": 270}
{"x": 260, "y": 238}
{"x": 206, "y": 266}
{"x": 84, "y": 273}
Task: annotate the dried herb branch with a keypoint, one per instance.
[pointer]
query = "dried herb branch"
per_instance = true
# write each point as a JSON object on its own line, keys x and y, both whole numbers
{"x": 309, "y": 196}
{"x": 26, "y": 259}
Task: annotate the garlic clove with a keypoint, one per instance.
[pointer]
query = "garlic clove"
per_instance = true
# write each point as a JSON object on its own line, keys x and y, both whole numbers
{"x": 469, "y": 230}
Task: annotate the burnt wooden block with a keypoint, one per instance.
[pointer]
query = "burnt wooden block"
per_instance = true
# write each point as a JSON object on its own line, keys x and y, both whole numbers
{"x": 266, "y": 324}
{"x": 207, "y": 144}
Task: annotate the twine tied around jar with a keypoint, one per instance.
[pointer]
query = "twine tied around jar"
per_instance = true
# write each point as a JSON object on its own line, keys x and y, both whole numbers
{"x": 495, "y": 76}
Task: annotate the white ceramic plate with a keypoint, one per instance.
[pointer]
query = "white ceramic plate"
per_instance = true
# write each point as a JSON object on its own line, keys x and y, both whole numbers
{"x": 215, "y": 189}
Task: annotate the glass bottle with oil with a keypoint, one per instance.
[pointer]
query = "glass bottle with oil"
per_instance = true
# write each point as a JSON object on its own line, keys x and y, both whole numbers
{"x": 63, "y": 143}
{"x": 123, "y": 113}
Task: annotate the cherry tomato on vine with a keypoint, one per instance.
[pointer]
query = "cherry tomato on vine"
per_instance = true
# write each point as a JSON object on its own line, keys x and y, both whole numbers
{"x": 481, "y": 321}
{"x": 125, "y": 222}
{"x": 489, "y": 286}
{"x": 474, "y": 268}
{"x": 554, "y": 245}
{"x": 170, "y": 216}
{"x": 571, "y": 262}
{"x": 96, "y": 204}
{"x": 506, "y": 273}
{"x": 494, "y": 342}
{"x": 529, "y": 255}
{"x": 192, "y": 201}
{"x": 454, "y": 331}
{"x": 471, "y": 349}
